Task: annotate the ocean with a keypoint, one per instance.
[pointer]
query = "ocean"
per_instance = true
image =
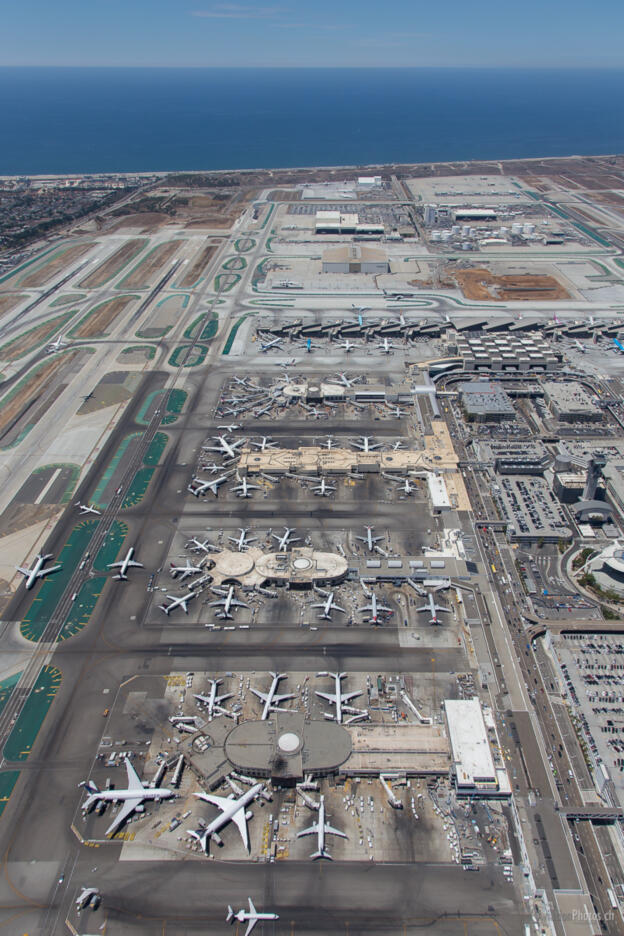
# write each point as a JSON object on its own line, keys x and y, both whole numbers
{"x": 82, "y": 120}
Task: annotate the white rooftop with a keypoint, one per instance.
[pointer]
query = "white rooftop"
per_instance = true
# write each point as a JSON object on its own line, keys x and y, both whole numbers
{"x": 470, "y": 747}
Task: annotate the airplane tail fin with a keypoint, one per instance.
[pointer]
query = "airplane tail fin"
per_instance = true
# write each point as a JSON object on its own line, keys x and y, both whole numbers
{"x": 91, "y": 787}
{"x": 230, "y": 915}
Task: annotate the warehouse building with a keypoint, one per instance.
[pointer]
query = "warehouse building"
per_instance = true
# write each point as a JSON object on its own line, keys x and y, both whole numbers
{"x": 355, "y": 258}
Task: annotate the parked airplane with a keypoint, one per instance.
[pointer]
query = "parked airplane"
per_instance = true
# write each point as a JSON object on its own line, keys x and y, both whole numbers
{"x": 345, "y": 381}
{"x": 212, "y": 468}
{"x": 196, "y": 545}
{"x": 348, "y": 345}
{"x": 265, "y": 443}
{"x": 225, "y": 447}
{"x": 56, "y": 345}
{"x": 406, "y": 484}
{"x": 283, "y": 542}
{"x": 181, "y": 602}
{"x": 321, "y": 828}
{"x": 132, "y": 798}
{"x": 232, "y": 810}
{"x": 385, "y": 346}
{"x": 375, "y": 609}
{"x": 433, "y": 608}
{"x": 338, "y": 698}
{"x": 243, "y": 489}
{"x": 271, "y": 699}
{"x": 251, "y": 917}
{"x": 37, "y": 570}
{"x": 186, "y": 570}
{"x": 396, "y": 411}
{"x": 243, "y": 541}
{"x": 365, "y": 445}
{"x": 86, "y": 509}
{"x": 126, "y": 563}
{"x": 198, "y": 487}
{"x": 328, "y": 443}
{"x": 328, "y": 605}
{"x": 618, "y": 345}
{"x": 213, "y": 702}
{"x": 324, "y": 489}
{"x": 227, "y": 601}
{"x": 267, "y": 345}
{"x": 369, "y": 539}
{"x": 581, "y": 347}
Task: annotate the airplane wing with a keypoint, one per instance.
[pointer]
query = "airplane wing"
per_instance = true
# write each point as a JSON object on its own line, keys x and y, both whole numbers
{"x": 338, "y": 608}
{"x": 261, "y": 695}
{"x": 311, "y": 830}
{"x": 327, "y": 696}
{"x": 43, "y": 572}
{"x": 23, "y": 571}
{"x": 221, "y": 802}
{"x": 332, "y": 831}
{"x": 239, "y": 604}
{"x": 137, "y": 564}
{"x": 240, "y": 818}
{"x": 346, "y": 696}
{"x": 251, "y": 925}
{"x": 252, "y": 909}
{"x": 126, "y": 810}
{"x": 134, "y": 783}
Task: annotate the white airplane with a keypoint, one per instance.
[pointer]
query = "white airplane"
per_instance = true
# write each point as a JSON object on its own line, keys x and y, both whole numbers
{"x": 37, "y": 570}
{"x": 243, "y": 541}
{"x": 311, "y": 410}
{"x": 86, "y": 509}
{"x": 232, "y": 810}
{"x": 126, "y": 563}
{"x": 406, "y": 484}
{"x": 250, "y": 917}
{"x": 369, "y": 539}
{"x": 186, "y": 570}
{"x": 227, "y": 601}
{"x": 225, "y": 447}
{"x": 338, "y": 697}
{"x": 181, "y": 602}
{"x": 385, "y": 346}
{"x": 271, "y": 699}
{"x": 321, "y": 828}
{"x": 198, "y": 487}
{"x": 365, "y": 445}
{"x": 324, "y": 489}
{"x": 360, "y": 309}
{"x": 580, "y": 346}
{"x": 88, "y": 897}
{"x": 329, "y": 444}
{"x": 283, "y": 542}
{"x": 267, "y": 345}
{"x": 344, "y": 380}
{"x": 231, "y": 427}
{"x": 328, "y": 605}
{"x": 375, "y": 609}
{"x": 348, "y": 345}
{"x": 196, "y": 545}
{"x": 264, "y": 444}
{"x": 396, "y": 411}
{"x": 433, "y": 608}
{"x": 132, "y": 798}
{"x": 56, "y": 345}
{"x": 212, "y": 468}
{"x": 212, "y": 702}
{"x": 243, "y": 489}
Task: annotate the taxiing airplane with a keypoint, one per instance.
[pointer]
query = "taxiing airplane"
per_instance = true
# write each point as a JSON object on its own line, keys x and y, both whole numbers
{"x": 232, "y": 810}
{"x": 86, "y": 509}
{"x": 56, "y": 345}
{"x": 244, "y": 488}
{"x": 360, "y": 309}
{"x": 375, "y": 609}
{"x": 328, "y": 605}
{"x": 369, "y": 539}
{"x": 321, "y": 828}
{"x": 37, "y": 571}
{"x": 126, "y": 563}
{"x": 213, "y": 702}
{"x": 231, "y": 427}
{"x": 250, "y": 917}
{"x": 225, "y": 446}
{"x": 186, "y": 570}
{"x": 271, "y": 699}
{"x": 283, "y": 542}
{"x": 181, "y": 602}
{"x": 227, "y": 601}
{"x": 364, "y": 444}
{"x": 433, "y": 608}
{"x": 197, "y": 487}
{"x": 243, "y": 541}
{"x": 132, "y": 798}
{"x": 338, "y": 698}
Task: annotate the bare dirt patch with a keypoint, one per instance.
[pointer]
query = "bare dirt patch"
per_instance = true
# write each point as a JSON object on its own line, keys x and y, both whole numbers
{"x": 21, "y": 345}
{"x": 10, "y": 301}
{"x": 54, "y": 265}
{"x": 114, "y": 264}
{"x": 144, "y": 221}
{"x": 97, "y": 322}
{"x": 200, "y": 263}
{"x": 147, "y": 270}
{"x": 481, "y": 284}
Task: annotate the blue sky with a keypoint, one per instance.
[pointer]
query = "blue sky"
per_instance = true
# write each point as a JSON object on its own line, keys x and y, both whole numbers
{"x": 313, "y": 33}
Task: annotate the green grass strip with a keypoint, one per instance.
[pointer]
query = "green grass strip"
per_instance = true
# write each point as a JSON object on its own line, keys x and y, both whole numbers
{"x": 20, "y": 741}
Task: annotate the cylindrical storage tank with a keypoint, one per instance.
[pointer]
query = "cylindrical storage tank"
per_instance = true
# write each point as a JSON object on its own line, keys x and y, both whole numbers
{"x": 446, "y": 236}
{"x": 516, "y": 228}
{"x": 465, "y": 230}
{"x": 528, "y": 228}
{"x": 455, "y": 229}
{"x": 472, "y": 232}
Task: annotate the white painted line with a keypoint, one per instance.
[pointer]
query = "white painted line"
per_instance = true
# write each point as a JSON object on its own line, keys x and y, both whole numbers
{"x": 47, "y": 487}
